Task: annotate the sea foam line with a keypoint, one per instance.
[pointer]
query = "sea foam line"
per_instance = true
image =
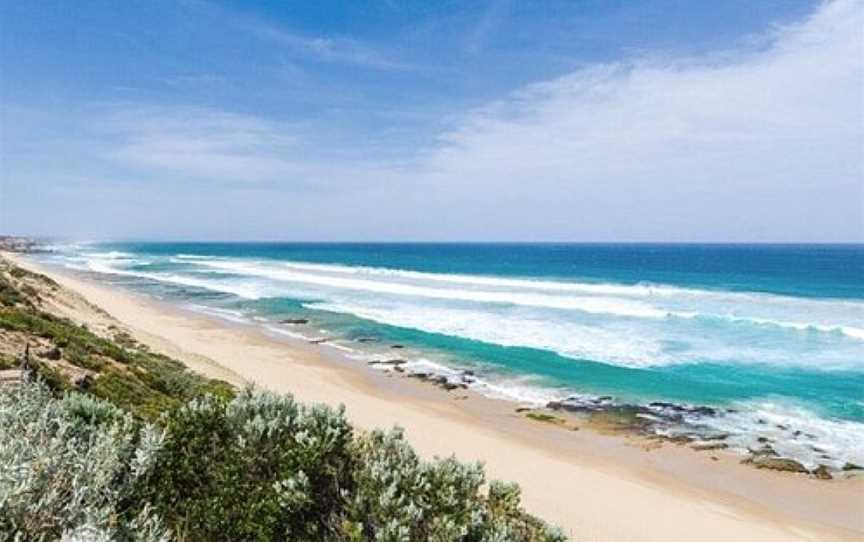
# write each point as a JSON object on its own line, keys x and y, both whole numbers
{"x": 591, "y": 304}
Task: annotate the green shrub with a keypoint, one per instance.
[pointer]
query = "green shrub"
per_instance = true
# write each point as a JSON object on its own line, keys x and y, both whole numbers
{"x": 8, "y": 362}
{"x": 258, "y": 468}
{"x": 9, "y": 295}
{"x": 49, "y": 376}
{"x": 400, "y": 497}
{"x": 132, "y": 395}
{"x": 66, "y": 465}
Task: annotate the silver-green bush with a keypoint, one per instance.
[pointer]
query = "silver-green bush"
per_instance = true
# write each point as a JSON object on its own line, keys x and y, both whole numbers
{"x": 66, "y": 465}
{"x": 258, "y": 467}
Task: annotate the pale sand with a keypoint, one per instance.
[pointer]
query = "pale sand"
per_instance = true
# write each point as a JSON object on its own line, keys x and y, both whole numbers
{"x": 595, "y": 487}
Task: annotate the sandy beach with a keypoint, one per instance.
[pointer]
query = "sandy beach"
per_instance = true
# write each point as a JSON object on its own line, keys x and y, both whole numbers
{"x": 595, "y": 486}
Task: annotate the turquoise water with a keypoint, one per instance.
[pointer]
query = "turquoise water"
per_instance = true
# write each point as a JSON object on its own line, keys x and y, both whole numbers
{"x": 773, "y": 335}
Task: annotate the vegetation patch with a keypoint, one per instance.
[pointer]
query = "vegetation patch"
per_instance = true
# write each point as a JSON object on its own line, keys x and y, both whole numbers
{"x": 546, "y": 418}
{"x": 141, "y": 382}
{"x": 257, "y": 467}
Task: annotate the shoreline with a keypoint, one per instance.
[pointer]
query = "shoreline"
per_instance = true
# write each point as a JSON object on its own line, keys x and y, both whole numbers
{"x": 582, "y": 480}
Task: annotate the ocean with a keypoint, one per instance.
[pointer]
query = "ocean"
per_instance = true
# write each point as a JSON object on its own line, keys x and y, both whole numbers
{"x": 769, "y": 337}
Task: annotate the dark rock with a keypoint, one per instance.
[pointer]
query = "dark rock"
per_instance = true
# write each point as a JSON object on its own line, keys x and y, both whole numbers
{"x": 84, "y": 383}
{"x": 294, "y": 321}
{"x": 852, "y": 466}
{"x": 53, "y": 354}
{"x": 397, "y": 346}
{"x": 775, "y": 463}
{"x": 821, "y": 472}
{"x": 704, "y": 447}
{"x": 367, "y": 340}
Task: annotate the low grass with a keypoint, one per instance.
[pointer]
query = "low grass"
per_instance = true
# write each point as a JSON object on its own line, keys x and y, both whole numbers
{"x": 126, "y": 374}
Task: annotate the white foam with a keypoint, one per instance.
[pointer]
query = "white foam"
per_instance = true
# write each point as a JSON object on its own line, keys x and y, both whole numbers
{"x": 114, "y": 255}
{"x": 793, "y": 431}
{"x": 225, "y": 314}
{"x": 626, "y": 344}
{"x": 637, "y": 301}
{"x": 193, "y": 257}
{"x": 287, "y": 333}
{"x": 565, "y": 338}
{"x": 246, "y": 290}
{"x": 591, "y": 304}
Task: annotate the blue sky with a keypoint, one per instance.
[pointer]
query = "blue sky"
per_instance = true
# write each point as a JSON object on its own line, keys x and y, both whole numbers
{"x": 497, "y": 120}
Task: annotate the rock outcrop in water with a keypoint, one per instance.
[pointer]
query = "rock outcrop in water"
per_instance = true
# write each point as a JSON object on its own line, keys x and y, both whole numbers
{"x": 294, "y": 321}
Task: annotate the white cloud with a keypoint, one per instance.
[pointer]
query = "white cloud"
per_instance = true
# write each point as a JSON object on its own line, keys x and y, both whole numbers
{"x": 209, "y": 145}
{"x": 203, "y": 143}
{"x": 736, "y": 144}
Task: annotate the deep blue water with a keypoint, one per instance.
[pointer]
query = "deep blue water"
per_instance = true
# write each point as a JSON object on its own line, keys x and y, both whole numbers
{"x": 774, "y": 331}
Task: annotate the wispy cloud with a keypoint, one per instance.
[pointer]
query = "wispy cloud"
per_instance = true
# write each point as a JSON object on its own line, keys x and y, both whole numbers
{"x": 210, "y": 145}
{"x": 490, "y": 20}
{"x": 712, "y": 141}
{"x": 335, "y": 50}
{"x": 201, "y": 143}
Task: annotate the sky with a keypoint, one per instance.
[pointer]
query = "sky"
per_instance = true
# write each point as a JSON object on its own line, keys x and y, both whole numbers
{"x": 496, "y": 120}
